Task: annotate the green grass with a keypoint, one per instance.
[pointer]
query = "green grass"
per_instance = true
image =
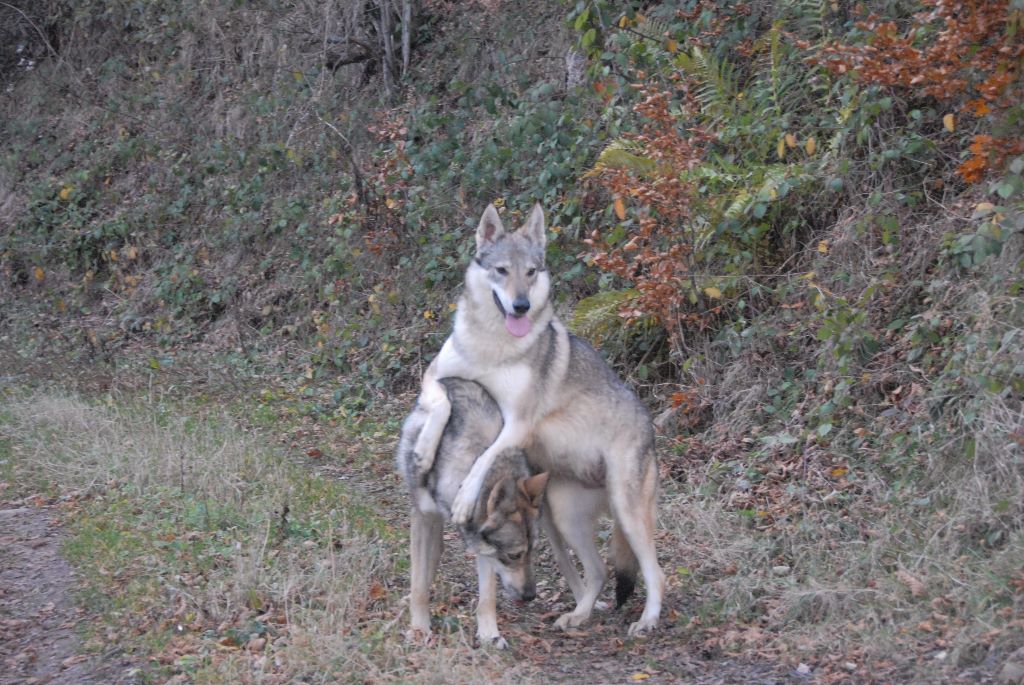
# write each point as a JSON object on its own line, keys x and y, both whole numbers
{"x": 188, "y": 562}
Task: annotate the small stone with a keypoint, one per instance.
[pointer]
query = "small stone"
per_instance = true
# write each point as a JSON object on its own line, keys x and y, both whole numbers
{"x": 849, "y": 666}
{"x": 780, "y": 570}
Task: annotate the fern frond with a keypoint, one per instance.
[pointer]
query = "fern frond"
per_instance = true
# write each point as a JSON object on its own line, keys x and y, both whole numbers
{"x": 652, "y": 27}
{"x": 807, "y": 18}
{"x": 597, "y": 317}
{"x": 623, "y": 154}
{"x": 738, "y": 207}
{"x": 716, "y": 84}
{"x": 766, "y": 189}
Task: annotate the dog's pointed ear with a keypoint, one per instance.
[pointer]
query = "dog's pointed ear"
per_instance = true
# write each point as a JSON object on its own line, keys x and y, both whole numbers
{"x": 533, "y": 488}
{"x": 489, "y": 229}
{"x": 534, "y": 228}
{"x": 500, "y": 494}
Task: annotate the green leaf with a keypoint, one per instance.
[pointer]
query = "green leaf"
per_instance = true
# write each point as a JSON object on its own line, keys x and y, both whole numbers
{"x": 581, "y": 20}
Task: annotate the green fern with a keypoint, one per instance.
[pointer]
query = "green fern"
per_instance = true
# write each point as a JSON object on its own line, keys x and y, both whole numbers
{"x": 652, "y": 28}
{"x": 597, "y": 317}
{"x": 623, "y": 154}
{"x": 716, "y": 84}
{"x": 767, "y": 185}
{"x": 808, "y": 18}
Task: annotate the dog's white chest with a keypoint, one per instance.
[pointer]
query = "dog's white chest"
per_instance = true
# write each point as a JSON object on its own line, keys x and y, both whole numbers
{"x": 509, "y": 385}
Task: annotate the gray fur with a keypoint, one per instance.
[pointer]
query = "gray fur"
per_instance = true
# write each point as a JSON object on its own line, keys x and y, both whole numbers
{"x": 503, "y": 529}
{"x": 561, "y": 402}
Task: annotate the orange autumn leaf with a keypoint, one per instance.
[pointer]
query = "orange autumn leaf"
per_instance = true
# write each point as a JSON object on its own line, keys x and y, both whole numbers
{"x": 620, "y": 209}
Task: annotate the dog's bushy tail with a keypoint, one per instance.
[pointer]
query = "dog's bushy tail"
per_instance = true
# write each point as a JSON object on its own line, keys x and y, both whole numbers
{"x": 625, "y": 564}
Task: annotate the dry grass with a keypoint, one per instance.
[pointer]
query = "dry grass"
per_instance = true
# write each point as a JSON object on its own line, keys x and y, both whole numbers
{"x": 189, "y": 510}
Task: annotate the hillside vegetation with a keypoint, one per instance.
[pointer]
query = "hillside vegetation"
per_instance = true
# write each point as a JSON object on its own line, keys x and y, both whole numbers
{"x": 794, "y": 225}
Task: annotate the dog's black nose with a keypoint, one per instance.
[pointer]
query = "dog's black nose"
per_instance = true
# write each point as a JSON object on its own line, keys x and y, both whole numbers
{"x": 521, "y": 305}
{"x": 529, "y": 594}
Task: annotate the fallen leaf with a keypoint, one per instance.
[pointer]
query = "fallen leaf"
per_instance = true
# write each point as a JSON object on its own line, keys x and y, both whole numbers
{"x": 915, "y": 586}
{"x": 949, "y": 122}
{"x": 713, "y": 292}
{"x": 620, "y": 209}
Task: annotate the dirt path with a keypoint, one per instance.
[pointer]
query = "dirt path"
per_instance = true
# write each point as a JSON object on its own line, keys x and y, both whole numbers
{"x": 39, "y": 640}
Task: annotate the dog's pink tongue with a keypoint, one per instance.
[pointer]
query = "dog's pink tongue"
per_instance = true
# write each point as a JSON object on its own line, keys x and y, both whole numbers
{"x": 517, "y": 325}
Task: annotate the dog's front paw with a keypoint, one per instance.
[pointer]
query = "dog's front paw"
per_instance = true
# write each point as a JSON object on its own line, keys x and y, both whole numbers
{"x": 418, "y": 636}
{"x": 642, "y": 627}
{"x": 422, "y": 462}
{"x": 463, "y": 505}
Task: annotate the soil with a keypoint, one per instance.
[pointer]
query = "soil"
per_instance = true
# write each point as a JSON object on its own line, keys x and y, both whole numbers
{"x": 40, "y": 639}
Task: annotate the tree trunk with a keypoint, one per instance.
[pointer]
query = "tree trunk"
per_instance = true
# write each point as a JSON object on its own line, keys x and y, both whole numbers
{"x": 388, "y": 44}
{"x": 407, "y": 27}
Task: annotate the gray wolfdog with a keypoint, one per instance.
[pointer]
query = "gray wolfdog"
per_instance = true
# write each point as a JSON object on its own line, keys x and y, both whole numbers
{"x": 502, "y": 531}
{"x": 561, "y": 402}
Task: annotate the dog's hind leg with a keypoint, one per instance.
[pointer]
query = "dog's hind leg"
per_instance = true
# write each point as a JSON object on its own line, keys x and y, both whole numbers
{"x": 574, "y": 511}
{"x": 487, "y": 605}
{"x": 633, "y": 508}
{"x": 426, "y": 542}
{"x": 561, "y": 553}
{"x": 625, "y": 564}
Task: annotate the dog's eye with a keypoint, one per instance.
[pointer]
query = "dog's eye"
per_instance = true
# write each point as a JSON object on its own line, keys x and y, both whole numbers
{"x": 531, "y": 272}
{"x": 501, "y": 270}
{"x": 515, "y": 556}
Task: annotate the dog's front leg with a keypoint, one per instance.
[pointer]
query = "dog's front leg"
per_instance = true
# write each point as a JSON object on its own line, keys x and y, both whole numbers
{"x": 487, "y": 605}
{"x": 512, "y": 434}
{"x": 433, "y": 400}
